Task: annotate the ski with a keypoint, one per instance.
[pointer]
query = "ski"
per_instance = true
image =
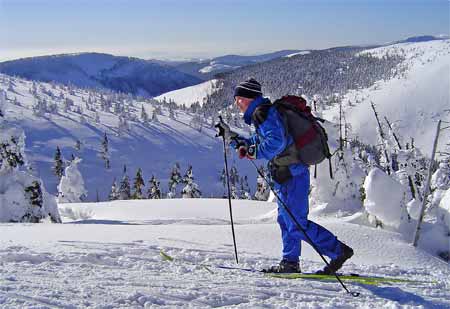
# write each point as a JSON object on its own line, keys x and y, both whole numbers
{"x": 369, "y": 280}
{"x": 350, "y": 277}
{"x": 168, "y": 258}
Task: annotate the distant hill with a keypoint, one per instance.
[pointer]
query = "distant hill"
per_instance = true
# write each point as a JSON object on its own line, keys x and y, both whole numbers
{"x": 421, "y": 38}
{"x": 206, "y": 69}
{"x": 95, "y": 70}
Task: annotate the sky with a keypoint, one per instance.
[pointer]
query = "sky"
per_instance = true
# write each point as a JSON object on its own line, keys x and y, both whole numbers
{"x": 169, "y": 29}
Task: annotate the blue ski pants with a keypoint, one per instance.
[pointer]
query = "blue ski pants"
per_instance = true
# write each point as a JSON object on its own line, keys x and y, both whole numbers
{"x": 294, "y": 194}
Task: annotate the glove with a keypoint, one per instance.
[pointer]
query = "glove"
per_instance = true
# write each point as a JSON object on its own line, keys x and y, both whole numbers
{"x": 225, "y": 131}
{"x": 245, "y": 150}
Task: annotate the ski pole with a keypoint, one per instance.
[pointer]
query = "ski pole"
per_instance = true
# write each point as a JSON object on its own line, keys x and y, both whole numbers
{"x": 229, "y": 192}
{"x": 291, "y": 215}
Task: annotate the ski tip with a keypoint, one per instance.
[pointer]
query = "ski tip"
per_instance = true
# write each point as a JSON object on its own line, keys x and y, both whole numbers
{"x": 165, "y": 256}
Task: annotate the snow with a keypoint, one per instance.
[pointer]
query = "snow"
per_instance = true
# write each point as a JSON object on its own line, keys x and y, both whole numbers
{"x": 111, "y": 259}
{"x": 154, "y": 147}
{"x": 71, "y": 187}
{"x": 385, "y": 198}
{"x": 216, "y": 67}
{"x": 444, "y": 210}
{"x": 414, "y": 103}
{"x": 189, "y": 95}
{"x": 303, "y": 52}
{"x": 107, "y": 254}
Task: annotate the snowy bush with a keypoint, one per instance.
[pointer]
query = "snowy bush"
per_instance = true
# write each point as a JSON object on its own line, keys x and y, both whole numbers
{"x": 385, "y": 200}
{"x": 342, "y": 193}
{"x": 443, "y": 213}
{"x": 74, "y": 213}
{"x": 23, "y": 197}
{"x": 71, "y": 187}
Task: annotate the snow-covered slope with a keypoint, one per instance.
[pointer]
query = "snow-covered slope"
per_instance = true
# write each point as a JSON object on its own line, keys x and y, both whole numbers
{"x": 94, "y": 70}
{"x": 154, "y": 146}
{"x": 190, "y": 95}
{"x": 109, "y": 257}
{"x": 413, "y": 103}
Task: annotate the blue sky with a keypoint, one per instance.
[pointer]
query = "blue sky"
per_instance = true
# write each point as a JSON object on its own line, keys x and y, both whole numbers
{"x": 204, "y": 28}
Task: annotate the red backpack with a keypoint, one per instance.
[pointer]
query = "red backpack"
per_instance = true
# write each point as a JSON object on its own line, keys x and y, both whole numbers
{"x": 310, "y": 139}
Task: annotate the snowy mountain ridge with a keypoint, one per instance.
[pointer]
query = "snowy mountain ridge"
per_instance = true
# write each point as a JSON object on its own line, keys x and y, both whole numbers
{"x": 101, "y": 71}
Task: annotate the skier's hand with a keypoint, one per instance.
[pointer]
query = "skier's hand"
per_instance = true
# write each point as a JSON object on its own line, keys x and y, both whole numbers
{"x": 225, "y": 131}
{"x": 247, "y": 151}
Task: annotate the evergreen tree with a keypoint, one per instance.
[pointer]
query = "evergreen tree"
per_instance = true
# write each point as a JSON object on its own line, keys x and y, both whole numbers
{"x": 172, "y": 113}
{"x": 58, "y": 167}
{"x": 174, "y": 180}
{"x": 138, "y": 184}
{"x": 191, "y": 189}
{"x": 154, "y": 191}
{"x": 104, "y": 152}
{"x": 245, "y": 189}
{"x": 34, "y": 195}
{"x": 114, "y": 193}
{"x": 262, "y": 189}
{"x": 78, "y": 145}
{"x": 155, "y": 117}
{"x": 125, "y": 189}
{"x": 2, "y": 102}
{"x": 223, "y": 179}
{"x": 71, "y": 188}
{"x": 144, "y": 115}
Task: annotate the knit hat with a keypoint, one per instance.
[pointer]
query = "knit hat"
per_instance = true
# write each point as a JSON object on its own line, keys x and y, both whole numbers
{"x": 249, "y": 89}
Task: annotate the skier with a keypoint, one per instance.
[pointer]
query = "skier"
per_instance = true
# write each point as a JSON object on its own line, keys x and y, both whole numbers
{"x": 291, "y": 181}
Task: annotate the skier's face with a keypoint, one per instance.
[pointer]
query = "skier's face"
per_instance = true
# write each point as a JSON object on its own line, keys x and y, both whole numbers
{"x": 242, "y": 103}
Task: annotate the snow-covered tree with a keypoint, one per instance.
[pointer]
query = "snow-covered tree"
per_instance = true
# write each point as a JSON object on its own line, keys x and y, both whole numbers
{"x": 23, "y": 197}
{"x": 245, "y": 189}
{"x": 223, "y": 180}
{"x": 2, "y": 102}
{"x": 125, "y": 189}
{"x": 104, "y": 151}
{"x": 172, "y": 113}
{"x": 155, "y": 117}
{"x": 144, "y": 115}
{"x": 58, "y": 166}
{"x": 71, "y": 187}
{"x": 123, "y": 125}
{"x": 138, "y": 184}
{"x": 78, "y": 145}
{"x": 191, "y": 189}
{"x": 114, "y": 193}
{"x": 34, "y": 195}
{"x": 67, "y": 105}
{"x": 174, "y": 180}
{"x": 262, "y": 188}
{"x": 440, "y": 184}
{"x": 385, "y": 201}
{"x": 154, "y": 191}
{"x": 197, "y": 122}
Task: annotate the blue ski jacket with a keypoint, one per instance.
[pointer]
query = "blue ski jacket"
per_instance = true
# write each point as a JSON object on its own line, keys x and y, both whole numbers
{"x": 271, "y": 137}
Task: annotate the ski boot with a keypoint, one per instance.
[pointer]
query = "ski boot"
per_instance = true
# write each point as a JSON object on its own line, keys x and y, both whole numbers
{"x": 337, "y": 263}
{"x": 284, "y": 267}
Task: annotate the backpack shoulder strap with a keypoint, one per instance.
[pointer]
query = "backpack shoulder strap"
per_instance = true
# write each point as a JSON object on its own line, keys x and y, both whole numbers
{"x": 260, "y": 113}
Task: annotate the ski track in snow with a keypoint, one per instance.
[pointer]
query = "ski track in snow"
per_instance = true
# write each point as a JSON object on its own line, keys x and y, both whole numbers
{"x": 93, "y": 263}
{"x": 110, "y": 275}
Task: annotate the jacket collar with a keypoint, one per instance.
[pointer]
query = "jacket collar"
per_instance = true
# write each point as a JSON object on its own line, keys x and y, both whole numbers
{"x": 251, "y": 108}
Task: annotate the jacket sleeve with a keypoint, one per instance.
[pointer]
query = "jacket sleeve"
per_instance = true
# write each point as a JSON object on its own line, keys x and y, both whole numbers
{"x": 272, "y": 138}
